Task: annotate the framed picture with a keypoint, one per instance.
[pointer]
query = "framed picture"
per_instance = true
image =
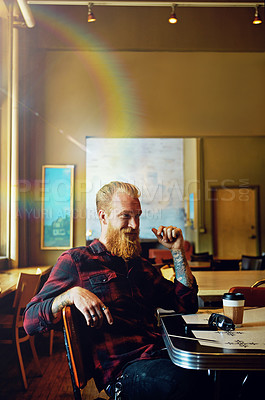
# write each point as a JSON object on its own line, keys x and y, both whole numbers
{"x": 57, "y": 207}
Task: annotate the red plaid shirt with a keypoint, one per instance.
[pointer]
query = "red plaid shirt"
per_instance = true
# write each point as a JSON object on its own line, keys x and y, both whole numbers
{"x": 132, "y": 296}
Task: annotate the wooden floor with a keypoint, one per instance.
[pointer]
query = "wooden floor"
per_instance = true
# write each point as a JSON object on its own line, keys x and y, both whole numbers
{"x": 55, "y": 384}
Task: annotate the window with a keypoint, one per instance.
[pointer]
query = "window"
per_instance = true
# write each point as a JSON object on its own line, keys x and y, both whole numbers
{"x": 155, "y": 166}
{"x": 4, "y": 129}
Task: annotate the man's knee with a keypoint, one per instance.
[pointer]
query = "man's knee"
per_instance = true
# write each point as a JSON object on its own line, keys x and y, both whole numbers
{"x": 160, "y": 380}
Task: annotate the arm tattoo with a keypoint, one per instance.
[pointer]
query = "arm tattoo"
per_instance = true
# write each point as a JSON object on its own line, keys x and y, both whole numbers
{"x": 59, "y": 302}
{"x": 182, "y": 269}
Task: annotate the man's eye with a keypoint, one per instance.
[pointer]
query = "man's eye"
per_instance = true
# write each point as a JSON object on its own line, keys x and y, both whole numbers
{"x": 125, "y": 216}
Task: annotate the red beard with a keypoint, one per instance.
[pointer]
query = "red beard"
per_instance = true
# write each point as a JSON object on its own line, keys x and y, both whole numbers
{"x": 124, "y": 243}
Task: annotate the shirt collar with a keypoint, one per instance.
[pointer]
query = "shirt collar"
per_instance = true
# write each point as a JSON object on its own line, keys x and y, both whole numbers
{"x": 98, "y": 248}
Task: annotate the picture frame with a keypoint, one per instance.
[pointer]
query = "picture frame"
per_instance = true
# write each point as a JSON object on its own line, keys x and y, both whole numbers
{"x": 57, "y": 207}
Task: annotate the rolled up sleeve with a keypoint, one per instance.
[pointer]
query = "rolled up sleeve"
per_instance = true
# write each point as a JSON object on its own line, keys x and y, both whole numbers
{"x": 38, "y": 316}
{"x": 172, "y": 295}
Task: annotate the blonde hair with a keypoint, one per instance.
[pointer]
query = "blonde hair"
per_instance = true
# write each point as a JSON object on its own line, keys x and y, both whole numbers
{"x": 105, "y": 194}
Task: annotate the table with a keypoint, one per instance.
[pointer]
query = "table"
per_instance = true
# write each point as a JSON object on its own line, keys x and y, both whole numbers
{"x": 9, "y": 277}
{"x": 193, "y": 265}
{"x": 193, "y": 354}
{"x": 200, "y": 265}
{"x": 188, "y": 352}
{"x": 213, "y": 284}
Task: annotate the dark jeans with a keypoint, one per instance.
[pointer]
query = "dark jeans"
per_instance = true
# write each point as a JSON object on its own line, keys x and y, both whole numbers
{"x": 242, "y": 385}
{"x": 160, "y": 379}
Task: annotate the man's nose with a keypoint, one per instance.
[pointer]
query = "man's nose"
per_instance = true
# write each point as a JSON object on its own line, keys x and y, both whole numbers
{"x": 133, "y": 223}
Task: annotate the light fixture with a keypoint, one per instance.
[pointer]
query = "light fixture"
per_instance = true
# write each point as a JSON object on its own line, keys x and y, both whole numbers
{"x": 173, "y": 19}
{"x": 150, "y": 3}
{"x": 257, "y": 20}
{"x": 26, "y": 13}
{"x": 17, "y": 23}
{"x": 90, "y": 16}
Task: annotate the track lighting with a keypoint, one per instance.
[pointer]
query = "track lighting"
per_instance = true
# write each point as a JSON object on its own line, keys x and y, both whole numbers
{"x": 173, "y": 19}
{"x": 257, "y": 20}
{"x": 26, "y": 13}
{"x": 90, "y": 16}
{"x": 24, "y": 4}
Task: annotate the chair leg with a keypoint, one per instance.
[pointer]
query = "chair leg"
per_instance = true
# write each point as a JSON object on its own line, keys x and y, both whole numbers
{"x": 51, "y": 341}
{"x": 21, "y": 365}
{"x": 34, "y": 353}
{"x": 76, "y": 390}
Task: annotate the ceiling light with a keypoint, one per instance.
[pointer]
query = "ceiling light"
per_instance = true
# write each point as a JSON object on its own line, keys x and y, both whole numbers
{"x": 173, "y": 19}
{"x": 257, "y": 20}
{"x": 90, "y": 16}
{"x": 26, "y": 13}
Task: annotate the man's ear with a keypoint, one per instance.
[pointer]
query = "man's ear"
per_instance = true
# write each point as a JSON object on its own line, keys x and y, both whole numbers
{"x": 102, "y": 216}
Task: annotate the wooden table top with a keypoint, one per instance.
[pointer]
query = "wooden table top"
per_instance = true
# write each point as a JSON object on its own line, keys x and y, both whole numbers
{"x": 9, "y": 277}
{"x": 241, "y": 349}
{"x": 199, "y": 264}
{"x": 216, "y": 283}
{"x": 219, "y": 282}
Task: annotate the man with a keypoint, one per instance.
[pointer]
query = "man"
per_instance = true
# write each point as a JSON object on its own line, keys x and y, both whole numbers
{"x": 118, "y": 292}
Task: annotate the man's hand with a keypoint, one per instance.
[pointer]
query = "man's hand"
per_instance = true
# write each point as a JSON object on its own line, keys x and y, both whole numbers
{"x": 90, "y": 306}
{"x": 170, "y": 237}
{"x": 87, "y": 303}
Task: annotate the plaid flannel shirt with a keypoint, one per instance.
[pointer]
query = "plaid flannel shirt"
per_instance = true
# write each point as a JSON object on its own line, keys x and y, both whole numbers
{"x": 132, "y": 292}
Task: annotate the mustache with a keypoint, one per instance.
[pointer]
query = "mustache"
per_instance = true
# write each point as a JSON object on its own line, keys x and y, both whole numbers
{"x": 130, "y": 230}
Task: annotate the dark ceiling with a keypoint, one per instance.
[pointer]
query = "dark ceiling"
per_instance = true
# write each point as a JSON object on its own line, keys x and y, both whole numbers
{"x": 147, "y": 29}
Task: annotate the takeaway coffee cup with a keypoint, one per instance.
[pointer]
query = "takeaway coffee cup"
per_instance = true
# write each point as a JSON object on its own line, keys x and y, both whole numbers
{"x": 233, "y": 306}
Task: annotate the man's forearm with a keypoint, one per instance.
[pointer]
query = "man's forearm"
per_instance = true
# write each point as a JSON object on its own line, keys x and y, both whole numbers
{"x": 182, "y": 269}
{"x": 60, "y": 301}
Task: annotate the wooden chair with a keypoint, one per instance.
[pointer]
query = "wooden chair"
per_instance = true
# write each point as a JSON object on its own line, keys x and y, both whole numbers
{"x": 225, "y": 264}
{"x": 76, "y": 339}
{"x": 254, "y": 295}
{"x": 167, "y": 261}
{"x": 11, "y": 325}
{"x": 158, "y": 256}
{"x": 188, "y": 246}
{"x": 201, "y": 257}
{"x": 43, "y": 278}
{"x": 251, "y": 263}
{"x": 259, "y": 283}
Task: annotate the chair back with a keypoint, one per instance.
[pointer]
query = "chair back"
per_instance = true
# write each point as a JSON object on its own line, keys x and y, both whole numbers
{"x": 79, "y": 360}
{"x": 254, "y": 296}
{"x": 201, "y": 257}
{"x": 159, "y": 254}
{"x": 225, "y": 265}
{"x": 167, "y": 261}
{"x": 188, "y": 247}
{"x": 259, "y": 283}
{"x": 251, "y": 263}
{"x": 27, "y": 287}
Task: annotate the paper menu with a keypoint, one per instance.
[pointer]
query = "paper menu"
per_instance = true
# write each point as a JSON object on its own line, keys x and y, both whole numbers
{"x": 238, "y": 339}
{"x": 250, "y": 336}
{"x": 200, "y": 318}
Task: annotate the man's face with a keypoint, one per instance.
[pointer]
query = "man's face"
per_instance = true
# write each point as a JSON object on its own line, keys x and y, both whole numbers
{"x": 123, "y": 226}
